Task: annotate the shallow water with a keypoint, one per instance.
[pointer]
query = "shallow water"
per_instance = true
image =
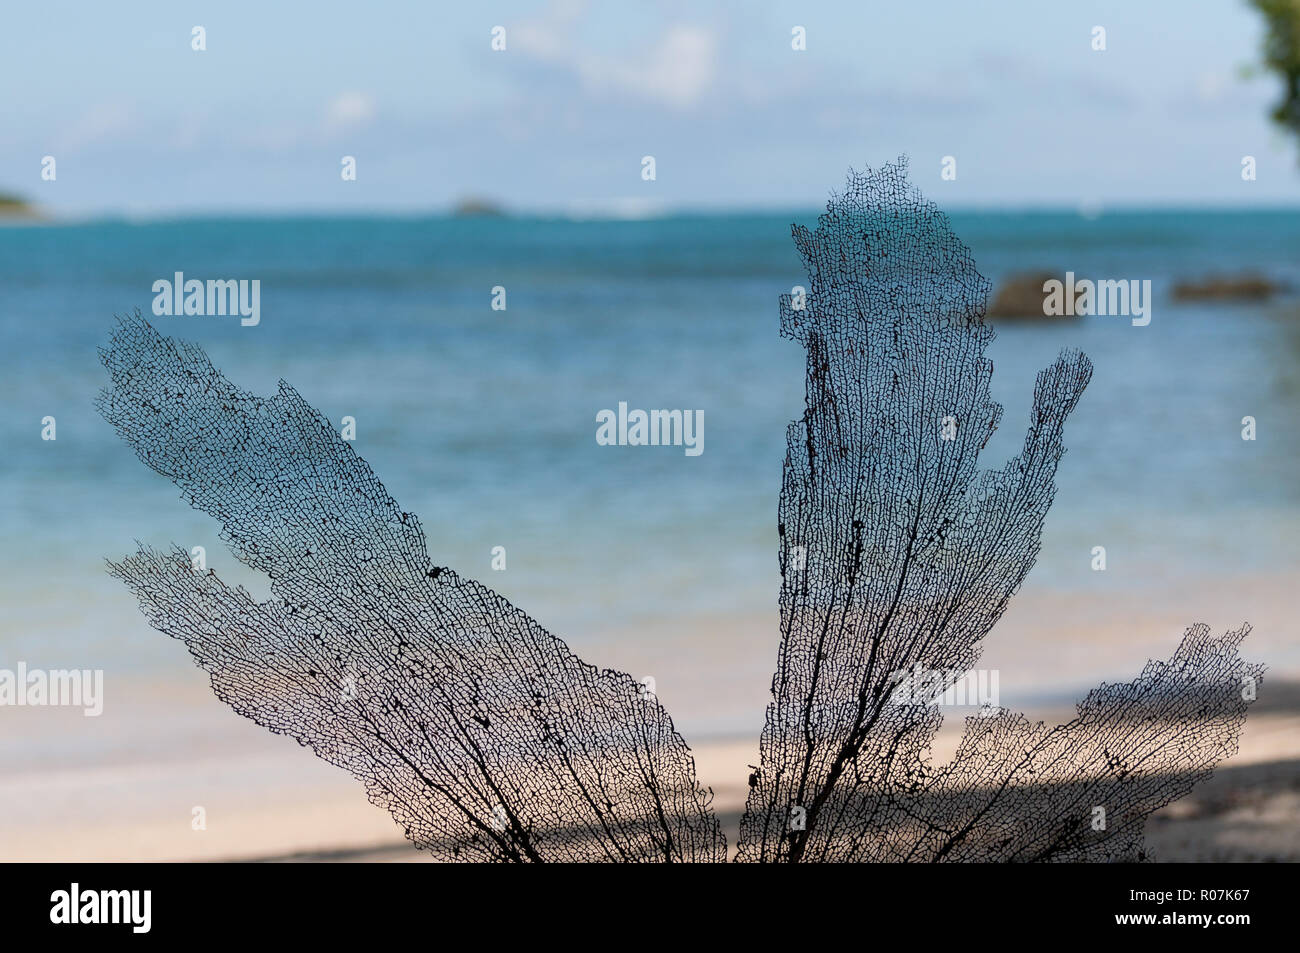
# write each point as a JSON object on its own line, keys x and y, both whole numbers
{"x": 483, "y": 422}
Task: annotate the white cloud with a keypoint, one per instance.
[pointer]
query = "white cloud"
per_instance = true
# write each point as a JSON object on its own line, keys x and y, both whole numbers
{"x": 677, "y": 70}
{"x": 1211, "y": 87}
{"x": 350, "y": 108}
{"x": 102, "y": 123}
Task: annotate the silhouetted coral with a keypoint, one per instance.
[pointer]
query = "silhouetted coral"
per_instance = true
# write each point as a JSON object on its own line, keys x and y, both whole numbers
{"x": 488, "y": 739}
{"x": 897, "y": 552}
{"x": 482, "y": 733}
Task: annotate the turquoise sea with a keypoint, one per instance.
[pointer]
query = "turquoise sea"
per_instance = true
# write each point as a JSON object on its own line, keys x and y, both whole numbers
{"x": 483, "y": 421}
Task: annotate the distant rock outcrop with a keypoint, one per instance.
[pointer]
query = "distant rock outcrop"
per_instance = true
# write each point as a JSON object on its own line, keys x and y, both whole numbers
{"x": 477, "y": 208}
{"x": 13, "y": 208}
{"x": 1021, "y": 296}
{"x": 1243, "y": 287}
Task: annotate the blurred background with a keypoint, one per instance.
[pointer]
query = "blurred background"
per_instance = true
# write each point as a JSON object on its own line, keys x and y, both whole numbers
{"x": 522, "y": 168}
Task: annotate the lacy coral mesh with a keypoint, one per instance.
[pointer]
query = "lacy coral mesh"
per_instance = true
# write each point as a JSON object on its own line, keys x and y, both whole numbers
{"x": 489, "y": 740}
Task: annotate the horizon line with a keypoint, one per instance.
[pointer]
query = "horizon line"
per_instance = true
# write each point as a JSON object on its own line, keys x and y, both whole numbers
{"x": 611, "y": 212}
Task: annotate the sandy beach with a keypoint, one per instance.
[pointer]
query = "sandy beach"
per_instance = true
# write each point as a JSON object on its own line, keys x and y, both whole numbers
{"x": 126, "y": 785}
{"x": 265, "y": 798}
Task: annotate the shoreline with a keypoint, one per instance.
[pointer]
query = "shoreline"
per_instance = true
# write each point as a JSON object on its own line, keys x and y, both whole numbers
{"x": 124, "y": 786}
{"x": 275, "y": 801}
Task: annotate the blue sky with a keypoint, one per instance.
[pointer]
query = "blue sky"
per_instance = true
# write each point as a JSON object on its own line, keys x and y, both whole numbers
{"x": 139, "y": 123}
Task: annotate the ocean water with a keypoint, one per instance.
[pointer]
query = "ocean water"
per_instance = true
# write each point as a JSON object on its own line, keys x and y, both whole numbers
{"x": 483, "y": 422}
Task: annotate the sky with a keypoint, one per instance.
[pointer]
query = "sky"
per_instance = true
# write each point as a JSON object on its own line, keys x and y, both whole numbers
{"x": 140, "y": 123}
